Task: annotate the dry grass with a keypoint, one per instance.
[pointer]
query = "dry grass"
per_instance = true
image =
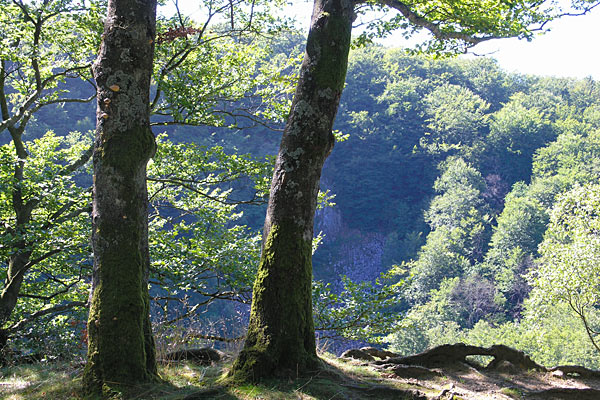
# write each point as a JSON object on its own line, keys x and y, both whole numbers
{"x": 337, "y": 380}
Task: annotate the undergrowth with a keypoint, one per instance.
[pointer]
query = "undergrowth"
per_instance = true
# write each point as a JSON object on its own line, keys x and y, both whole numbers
{"x": 184, "y": 380}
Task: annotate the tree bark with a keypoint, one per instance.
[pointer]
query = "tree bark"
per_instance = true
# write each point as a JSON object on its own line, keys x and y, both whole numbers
{"x": 281, "y": 337}
{"x": 121, "y": 347}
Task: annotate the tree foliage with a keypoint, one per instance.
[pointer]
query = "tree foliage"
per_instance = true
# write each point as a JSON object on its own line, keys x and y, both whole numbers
{"x": 568, "y": 268}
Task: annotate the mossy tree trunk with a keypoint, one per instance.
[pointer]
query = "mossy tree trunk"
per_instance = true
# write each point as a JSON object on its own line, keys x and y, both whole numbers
{"x": 281, "y": 336}
{"x": 121, "y": 347}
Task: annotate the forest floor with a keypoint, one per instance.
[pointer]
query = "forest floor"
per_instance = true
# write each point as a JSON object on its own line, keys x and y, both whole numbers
{"x": 341, "y": 378}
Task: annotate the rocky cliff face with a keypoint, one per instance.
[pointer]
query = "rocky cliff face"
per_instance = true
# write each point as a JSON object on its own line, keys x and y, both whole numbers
{"x": 361, "y": 259}
{"x": 328, "y": 221}
{"x": 352, "y": 253}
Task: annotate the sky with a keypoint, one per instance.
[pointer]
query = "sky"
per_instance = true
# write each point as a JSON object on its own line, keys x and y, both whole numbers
{"x": 566, "y": 51}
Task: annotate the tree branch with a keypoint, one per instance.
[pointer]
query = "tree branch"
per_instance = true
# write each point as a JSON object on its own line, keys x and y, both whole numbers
{"x": 41, "y": 258}
{"x": 25, "y": 107}
{"x": 56, "y": 309}
{"x": 432, "y": 27}
{"x": 181, "y": 183}
{"x": 472, "y": 39}
{"x": 579, "y": 311}
{"x": 45, "y": 103}
{"x": 80, "y": 162}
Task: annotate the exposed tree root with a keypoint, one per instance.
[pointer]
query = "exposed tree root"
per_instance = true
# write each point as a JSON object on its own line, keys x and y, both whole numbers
{"x": 576, "y": 370}
{"x": 449, "y": 354}
{"x": 375, "y": 352}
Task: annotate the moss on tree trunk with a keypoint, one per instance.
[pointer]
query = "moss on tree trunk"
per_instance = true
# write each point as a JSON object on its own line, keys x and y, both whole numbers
{"x": 121, "y": 347}
{"x": 281, "y": 337}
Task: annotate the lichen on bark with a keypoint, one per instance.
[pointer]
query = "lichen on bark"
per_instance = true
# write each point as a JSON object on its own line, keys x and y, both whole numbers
{"x": 281, "y": 337}
{"x": 120, "y": 344}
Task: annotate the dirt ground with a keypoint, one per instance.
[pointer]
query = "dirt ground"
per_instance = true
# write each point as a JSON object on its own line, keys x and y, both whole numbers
{"x": 469, "y": 383}
{"x": 465, "y": 379}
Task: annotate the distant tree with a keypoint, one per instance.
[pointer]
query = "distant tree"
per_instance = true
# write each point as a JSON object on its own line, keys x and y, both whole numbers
{"x": 442, "y": 256}
{"x": 474, "y": 298}
{"x": 517, "y": 130}
{"x": 457, "y": 119}
{"x": 460, "y": 229}
{"x": 281, "y": 331}
{"x": 571, "y": 158}
{"x": 513, "y": 245}
{"x": 460, "y": 189}
{"x": 429, "y": 324}
{"x": 120, "y": 343}
{"x": 568, "y": 268}
{"x": 484, "y": 77}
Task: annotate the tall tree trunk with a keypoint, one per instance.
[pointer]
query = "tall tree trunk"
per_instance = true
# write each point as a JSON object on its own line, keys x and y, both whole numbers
{"x": 281, "y": 336}
{"x": 121, "y": 347}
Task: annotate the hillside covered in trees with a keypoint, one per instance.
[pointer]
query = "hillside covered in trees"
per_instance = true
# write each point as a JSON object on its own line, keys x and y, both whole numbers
{"x": 453, "y": 177}
{"x": 460, "y": 203}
